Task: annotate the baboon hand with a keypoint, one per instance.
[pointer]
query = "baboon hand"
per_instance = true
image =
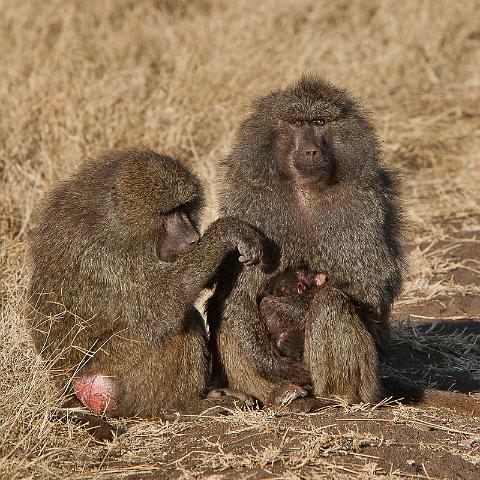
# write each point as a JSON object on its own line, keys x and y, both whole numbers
{"x": 251, "y": 244}
{"x": 251, "y": 250}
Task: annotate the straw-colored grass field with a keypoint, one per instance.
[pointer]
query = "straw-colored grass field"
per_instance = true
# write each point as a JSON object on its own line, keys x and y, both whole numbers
{"x": 79, "y": 77}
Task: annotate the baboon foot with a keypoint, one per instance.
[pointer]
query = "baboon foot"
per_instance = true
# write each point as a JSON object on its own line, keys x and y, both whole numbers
{"x": 99, "y": 428}
{"x": 97, "y": 392}
{"x": 288, "y": 396}
{"x": 243, "y": 400}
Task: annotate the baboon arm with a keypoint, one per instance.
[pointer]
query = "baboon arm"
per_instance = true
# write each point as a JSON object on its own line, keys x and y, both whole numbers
{"x": 374, "y": 287}
{"x": 373, "y": 302}
{"x": 374, "y": 310}
{"x": 245, "y": 325}
{"x": 193, "y": 271}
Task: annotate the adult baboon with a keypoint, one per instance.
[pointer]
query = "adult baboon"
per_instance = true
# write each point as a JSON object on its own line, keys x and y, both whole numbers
{"x": 305, "y": 169}
{"x": 117, "y": 266}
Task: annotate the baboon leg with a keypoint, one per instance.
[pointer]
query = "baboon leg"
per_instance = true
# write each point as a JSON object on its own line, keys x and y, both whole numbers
{"x": 237, "y": 367}
{"x": 243, "y": 376}
{"x": 340, "y": 351}
{"x": 129, "y": 377}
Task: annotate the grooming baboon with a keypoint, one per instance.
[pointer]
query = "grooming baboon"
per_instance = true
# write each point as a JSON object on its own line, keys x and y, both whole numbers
{"x": 284, "y": 307}
{"x": 305, "y": 169}
{"x": 117, "y": 266}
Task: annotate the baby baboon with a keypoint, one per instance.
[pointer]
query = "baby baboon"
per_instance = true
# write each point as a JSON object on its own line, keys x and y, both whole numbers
{"x": 305, "y": 169}
{"x": 293, "y": 282}
{"x": 117, "y": 266}
{"x": 284, "y": 306}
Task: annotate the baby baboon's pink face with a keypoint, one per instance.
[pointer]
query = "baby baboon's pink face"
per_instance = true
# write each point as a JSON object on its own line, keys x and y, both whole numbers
{"x": 298, "y": 281}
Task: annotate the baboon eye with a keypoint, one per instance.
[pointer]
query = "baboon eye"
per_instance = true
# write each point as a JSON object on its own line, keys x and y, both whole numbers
{"x": 297, "y": 123}
{"x": 318, "y": 121}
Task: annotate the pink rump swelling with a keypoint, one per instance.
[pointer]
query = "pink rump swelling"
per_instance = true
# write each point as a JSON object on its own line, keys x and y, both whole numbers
{"x": 96, "y": 392}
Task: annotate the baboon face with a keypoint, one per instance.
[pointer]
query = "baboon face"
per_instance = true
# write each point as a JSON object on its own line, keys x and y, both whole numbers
{"x": 286, "y": 284}
{"x": 178, "y": 235}
{"x": 292, "y": 282}
{"x": 310, "y": 133}
{"x": 303, "y": 150}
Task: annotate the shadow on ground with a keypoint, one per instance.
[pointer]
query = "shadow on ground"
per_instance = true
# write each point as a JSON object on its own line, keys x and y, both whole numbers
{"x": 444, "y": 355}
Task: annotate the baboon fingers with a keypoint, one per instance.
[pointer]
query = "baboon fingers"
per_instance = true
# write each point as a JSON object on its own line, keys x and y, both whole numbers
{"x": 284, "y": 394}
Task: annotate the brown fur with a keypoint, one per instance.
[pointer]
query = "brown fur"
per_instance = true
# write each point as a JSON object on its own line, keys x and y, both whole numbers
{"x": 343, "y": 219}
{"x": 102, "y": 300}
{"x": 284, "y": 307}
{"x": 284, "y": 317}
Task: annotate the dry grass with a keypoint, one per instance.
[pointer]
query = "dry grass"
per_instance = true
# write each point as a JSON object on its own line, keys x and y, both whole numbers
{"x": 78, "y": 77}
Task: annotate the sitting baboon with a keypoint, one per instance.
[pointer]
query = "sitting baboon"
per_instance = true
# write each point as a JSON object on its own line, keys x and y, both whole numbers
{"x": 284, "y": 306}
{"x": 305, "y": 169}
{"x": 117, "y": 266}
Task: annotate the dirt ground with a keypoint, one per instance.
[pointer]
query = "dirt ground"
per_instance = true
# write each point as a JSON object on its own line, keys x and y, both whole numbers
{"x": 78, "y": 77}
